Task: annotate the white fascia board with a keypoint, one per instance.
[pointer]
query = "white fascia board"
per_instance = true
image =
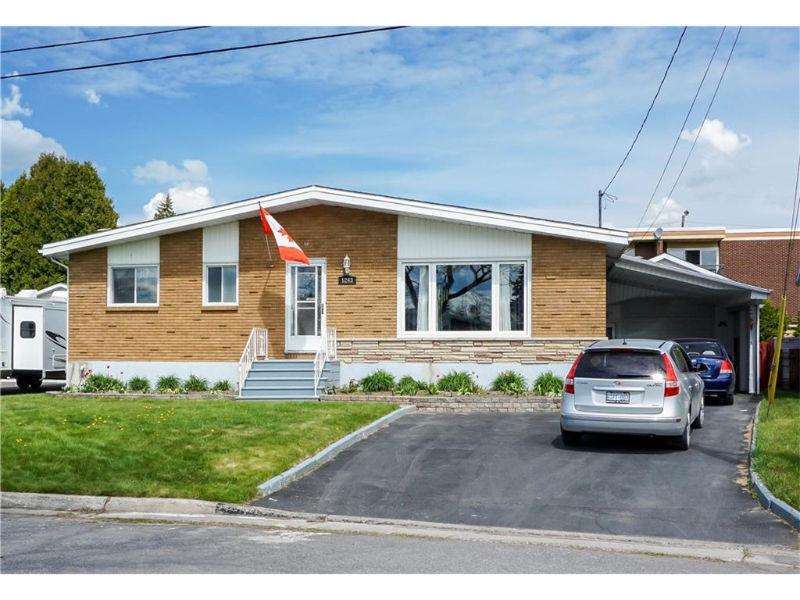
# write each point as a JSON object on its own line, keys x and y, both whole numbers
{"x": 707, "y": 279}
{"x": 616, "y": 239}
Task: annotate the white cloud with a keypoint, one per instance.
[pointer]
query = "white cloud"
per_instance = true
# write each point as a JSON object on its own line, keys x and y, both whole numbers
{"x": 12, "y": 106}
{"x": 185, "y": 197}
{"x": 92, "y": 97}
{"x": 21, "y": 145}
{"x": 666, "y": 212}
{"x": 163, "y": 172}
{"x": 715, "y": 134}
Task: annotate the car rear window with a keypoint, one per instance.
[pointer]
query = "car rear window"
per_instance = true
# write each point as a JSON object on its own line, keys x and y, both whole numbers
{"x": 620, "y": 364}
{"x": 702, "y": 348}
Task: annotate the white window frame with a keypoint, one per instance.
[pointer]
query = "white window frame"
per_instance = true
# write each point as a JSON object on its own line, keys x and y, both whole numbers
{"x": 110, "y": 286}
{"x": 432, "y": 333}
{"x": 206, "y": 302}
{"x": 684, "y": 249}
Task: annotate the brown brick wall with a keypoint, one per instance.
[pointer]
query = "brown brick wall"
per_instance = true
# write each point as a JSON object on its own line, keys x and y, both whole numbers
{"x": 568, "y": 292}
{"x": 181, "y": 330}
{"x": 763, "y": 263}
{"x": 568, "y": 288}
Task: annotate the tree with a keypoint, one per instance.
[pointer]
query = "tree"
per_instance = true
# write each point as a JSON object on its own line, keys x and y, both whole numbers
{"x": 56, "y": 200}
{"x": 769, "y": 321}
{"x": 165, "y": 208}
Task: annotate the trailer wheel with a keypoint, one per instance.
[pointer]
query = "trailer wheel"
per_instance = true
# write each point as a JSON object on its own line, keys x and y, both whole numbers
{"x": 36, "y": 384}
{"x": 23, "y": 383}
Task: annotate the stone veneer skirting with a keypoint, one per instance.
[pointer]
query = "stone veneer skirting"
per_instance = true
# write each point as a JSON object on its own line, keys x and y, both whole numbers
{"x": 460, "y": 404}
{"x": 524, "y": 351}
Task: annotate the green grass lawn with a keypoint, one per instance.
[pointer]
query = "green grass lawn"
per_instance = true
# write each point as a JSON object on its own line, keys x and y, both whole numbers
{"x": 207, "y": 449}
{"x": 777, "y": 456}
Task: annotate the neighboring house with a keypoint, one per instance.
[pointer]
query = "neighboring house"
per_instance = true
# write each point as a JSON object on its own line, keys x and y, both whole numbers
{"x": 755, "y": 256}
{"x": 430, "y": 288}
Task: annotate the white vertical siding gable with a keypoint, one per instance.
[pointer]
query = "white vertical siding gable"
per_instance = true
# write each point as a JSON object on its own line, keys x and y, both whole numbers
{"x": 429, "y": 239}
{"x": 143, "y": 253}
{"x": 221, "y": 243}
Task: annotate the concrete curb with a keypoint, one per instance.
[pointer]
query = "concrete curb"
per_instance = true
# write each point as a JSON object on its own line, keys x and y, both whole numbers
{"x": 280, "y": 481}
{"x": 765, "y": 496}
{"x": 207, "y": 514}
{"x": 105, "y": 504}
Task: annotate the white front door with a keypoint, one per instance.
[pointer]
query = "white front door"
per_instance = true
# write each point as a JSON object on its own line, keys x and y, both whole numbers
{"x": 305, "y": 305}
{"x": 27, "y": 351}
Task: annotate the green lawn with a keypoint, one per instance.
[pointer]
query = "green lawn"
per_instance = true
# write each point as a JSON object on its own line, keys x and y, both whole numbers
{"x": 777, "y": 456}
{"x": 207, "y": 449}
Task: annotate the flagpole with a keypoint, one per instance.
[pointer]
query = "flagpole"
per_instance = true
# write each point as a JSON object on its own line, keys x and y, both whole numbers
{"x": 266, "y": 241}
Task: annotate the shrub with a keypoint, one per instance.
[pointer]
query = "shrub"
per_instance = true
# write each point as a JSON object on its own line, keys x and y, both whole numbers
{"x": 548, "y": 384}
{"x": 223, "y": 385}
{"x": 429, "y": 388}
{"x": 102, "y": 383}
{"x": 379, "y": 381}
{"x": 408, "y": 386}
{"x": 195, "y": 384}
{"x": 458, "y": 381}
{"x": 168, "y": 384}
{"x": 139, "y": 384}
{"x": 509, "y": 382}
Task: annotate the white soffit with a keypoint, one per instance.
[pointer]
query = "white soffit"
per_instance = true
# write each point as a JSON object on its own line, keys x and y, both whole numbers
{"x": 424, "y": 239}
{"x": 221, "y": 243}
{"x": 142, "y": 252}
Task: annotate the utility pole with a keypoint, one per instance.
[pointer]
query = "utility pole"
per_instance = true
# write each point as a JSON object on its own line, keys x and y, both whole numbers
{"x": 599, "y": 208}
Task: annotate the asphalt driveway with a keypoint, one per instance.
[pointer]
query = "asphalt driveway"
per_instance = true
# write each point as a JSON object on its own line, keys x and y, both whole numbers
{"x": 513, "y": 471}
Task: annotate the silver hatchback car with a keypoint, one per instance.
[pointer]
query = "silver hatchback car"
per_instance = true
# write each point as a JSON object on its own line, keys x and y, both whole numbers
{"x": 642, "y": 387}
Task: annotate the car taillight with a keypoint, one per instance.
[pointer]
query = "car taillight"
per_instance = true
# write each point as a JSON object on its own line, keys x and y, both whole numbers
{"x": 569, "y": 381}
{"x": 725, "y": 367}
{"x": 671, "y": 386}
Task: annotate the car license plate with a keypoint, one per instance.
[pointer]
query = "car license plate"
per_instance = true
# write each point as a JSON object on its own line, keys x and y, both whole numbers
{"x": 618, "y": 398}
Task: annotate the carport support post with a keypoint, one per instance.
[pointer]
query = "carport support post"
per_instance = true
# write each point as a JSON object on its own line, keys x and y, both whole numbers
{"x": 599, "y": 208}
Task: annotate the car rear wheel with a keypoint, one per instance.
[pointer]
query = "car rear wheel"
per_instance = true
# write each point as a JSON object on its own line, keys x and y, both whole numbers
{"x": 570, "y": 438}
{"x": 728, "y": 399}
{"x": 685, "y": 440}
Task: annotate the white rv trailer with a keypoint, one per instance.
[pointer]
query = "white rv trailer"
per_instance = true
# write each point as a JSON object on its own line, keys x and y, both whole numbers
{"x": 33, "y": 338}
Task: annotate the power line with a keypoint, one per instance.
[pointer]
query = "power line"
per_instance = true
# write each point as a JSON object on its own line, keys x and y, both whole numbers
{"x": 792, "y": 234}
{"x": 680, "y": 131}
{"x": 647, "y": 114}
{"x": 699, "y": 130}
{"x": 203, "y": 52}
{"x": 104, "y": 39}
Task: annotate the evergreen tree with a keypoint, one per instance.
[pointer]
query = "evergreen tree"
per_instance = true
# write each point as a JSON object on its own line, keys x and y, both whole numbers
{"x": 769, "y": 321}
{"x": 165, "y": 208}
{"x": 57, "y": 199}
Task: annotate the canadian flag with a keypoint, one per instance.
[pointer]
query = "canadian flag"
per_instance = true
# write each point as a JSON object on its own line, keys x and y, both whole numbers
{"x": 287, "y": 247}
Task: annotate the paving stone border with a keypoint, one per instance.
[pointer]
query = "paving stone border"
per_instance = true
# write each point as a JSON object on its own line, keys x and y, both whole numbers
{"x": 454, "y": 403}
{"x": 765, "y": 496}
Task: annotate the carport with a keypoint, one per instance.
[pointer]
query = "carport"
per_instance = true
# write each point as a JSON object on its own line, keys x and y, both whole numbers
{"x": 665, "y": 297}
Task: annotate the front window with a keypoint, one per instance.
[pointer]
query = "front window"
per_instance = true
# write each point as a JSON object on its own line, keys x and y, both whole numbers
{"x": 134, "y": 285}
{"x": 221, "y": 284}
{"x": 471, "y": 297}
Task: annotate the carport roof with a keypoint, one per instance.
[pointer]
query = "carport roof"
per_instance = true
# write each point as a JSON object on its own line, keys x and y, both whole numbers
{"x": 665, "y": 274}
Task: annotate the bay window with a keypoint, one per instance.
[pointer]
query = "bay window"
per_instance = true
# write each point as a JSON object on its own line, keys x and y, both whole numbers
{"x": 480, "y": 298}
{"x": 134, "y": 285}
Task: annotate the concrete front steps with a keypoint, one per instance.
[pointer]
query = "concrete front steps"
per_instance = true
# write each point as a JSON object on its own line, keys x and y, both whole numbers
{"x": 291, "y": 379}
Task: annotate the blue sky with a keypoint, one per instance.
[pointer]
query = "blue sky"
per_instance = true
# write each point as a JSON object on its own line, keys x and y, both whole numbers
{"x": 528, "y": 120}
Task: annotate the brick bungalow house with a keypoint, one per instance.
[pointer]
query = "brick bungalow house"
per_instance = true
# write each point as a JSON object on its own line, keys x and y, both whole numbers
{"x": 429, "y": 288}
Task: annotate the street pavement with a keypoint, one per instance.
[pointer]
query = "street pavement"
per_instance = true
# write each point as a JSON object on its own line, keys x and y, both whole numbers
{"x": 79, "y": 544}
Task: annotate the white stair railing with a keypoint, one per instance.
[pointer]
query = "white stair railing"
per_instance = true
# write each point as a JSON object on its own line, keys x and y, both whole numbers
{"x": 255, "y": 349}
{"x": 325, "y": 352}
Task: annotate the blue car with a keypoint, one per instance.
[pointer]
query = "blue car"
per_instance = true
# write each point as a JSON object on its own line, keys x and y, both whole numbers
{"x": 718, "y": 376}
